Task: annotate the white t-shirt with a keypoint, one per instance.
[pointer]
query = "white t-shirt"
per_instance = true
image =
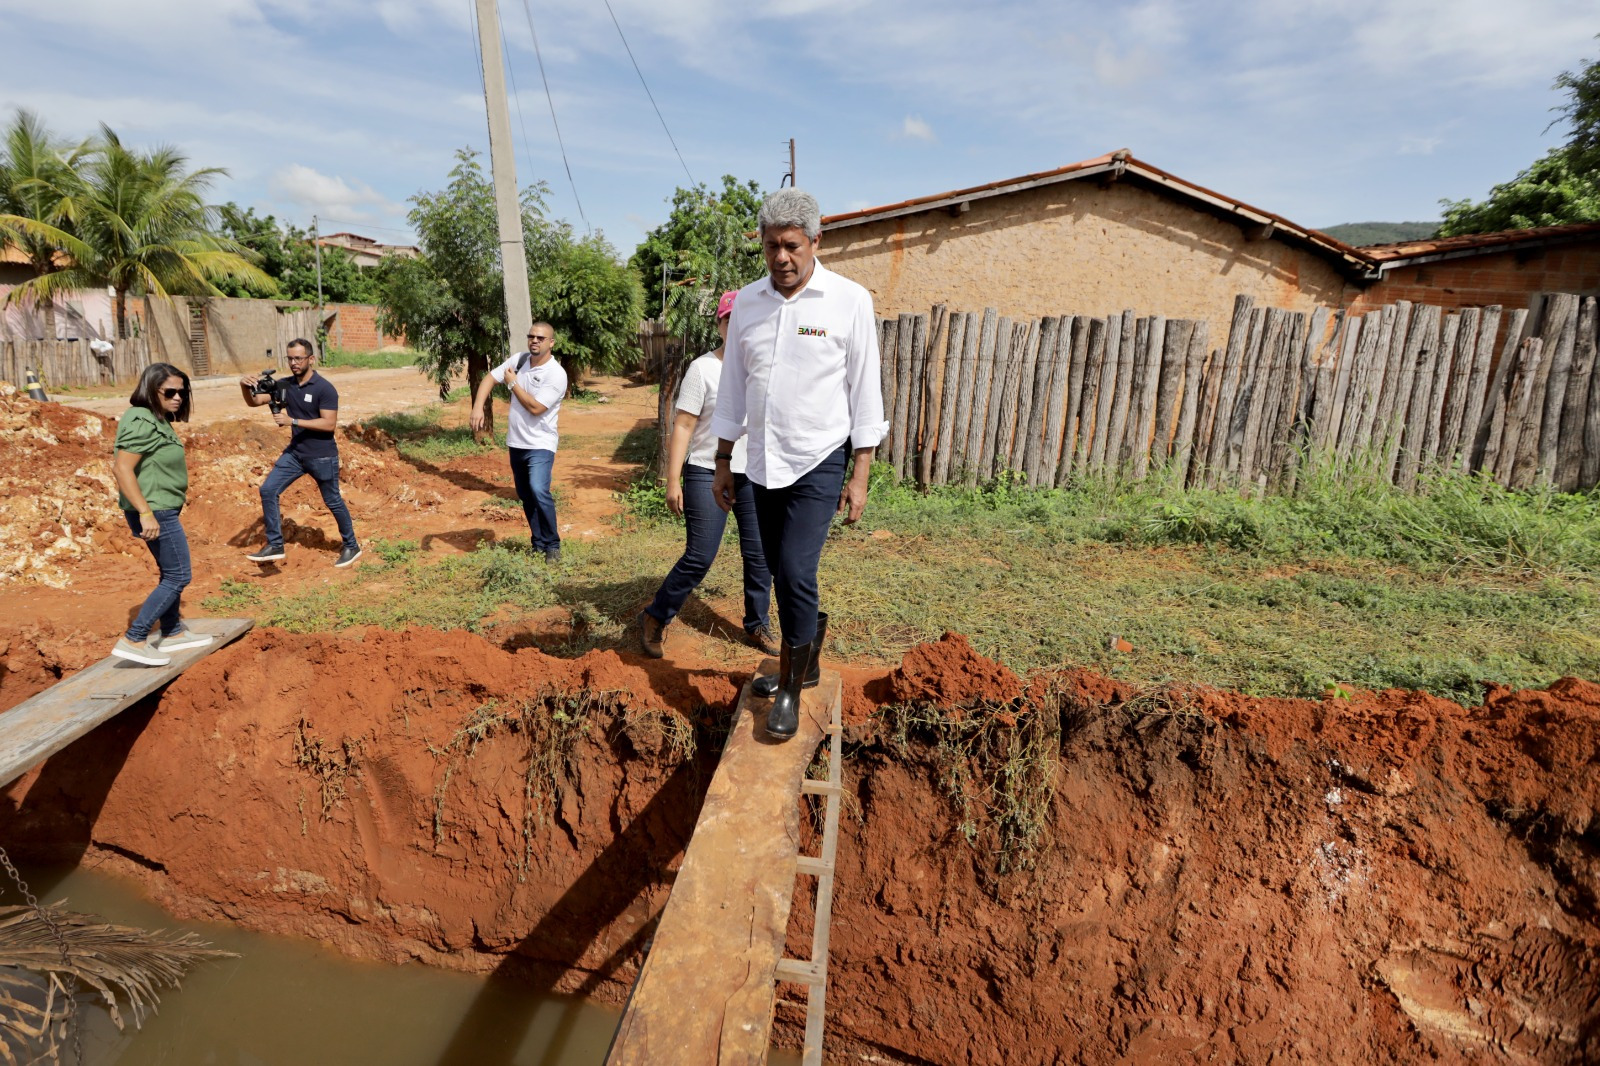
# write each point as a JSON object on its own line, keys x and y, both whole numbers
{"x": 697, "y": 394}
{"x": 548, "y": 383}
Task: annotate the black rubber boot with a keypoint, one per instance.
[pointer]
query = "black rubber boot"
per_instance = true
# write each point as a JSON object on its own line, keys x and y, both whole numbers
{"x": 783, "y": 721}
{"x": 766, "y": 685}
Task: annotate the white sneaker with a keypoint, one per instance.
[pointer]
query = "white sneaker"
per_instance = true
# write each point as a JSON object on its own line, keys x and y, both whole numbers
{"x": 143, "y": 653}
{"x": 182, "y": 639}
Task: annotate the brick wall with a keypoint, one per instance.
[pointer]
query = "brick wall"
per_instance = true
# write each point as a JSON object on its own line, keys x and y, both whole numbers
{"x": 1507, "y": 278}
{"x": 355, "y": 329}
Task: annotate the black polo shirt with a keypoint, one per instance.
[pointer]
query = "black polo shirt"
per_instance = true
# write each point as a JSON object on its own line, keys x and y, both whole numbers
{"x": 305, "y": 402}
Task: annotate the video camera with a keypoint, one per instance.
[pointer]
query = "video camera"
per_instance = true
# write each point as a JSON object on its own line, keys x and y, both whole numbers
{"x": 274, "y": 390}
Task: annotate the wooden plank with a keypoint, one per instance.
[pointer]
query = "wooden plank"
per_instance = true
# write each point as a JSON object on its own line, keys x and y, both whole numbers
{"x": 1315, "y": 371}
{"x": 1141, "y": 370}
{"x": 916, "y": 432}
{"x": 1144, "y": 434}
{"x": 1444, "y": 371}
{"x": 1519, "y": 451}
{"x": 889, "y": 375}
{"x": 1477, "y": 387}
{"x": 1220, "y": 415}
{"x": 1394, "y": 380}
{"x": 944, "y": 444}
{"x": 1088, "y": 414}
{"x": 1283, "y": 403}
{"x": 998, "y": 413}
{"x": 705, "y": 993}
{"x": 1560, "y": 336}
{"x": 1174, "y": 363}
{"x": 1055, "y": 421}
{"x": 1246, "y": 429}
{"x": 1105, "y": 393}
{"x": 1072, "y": 423}
{"x": 1455, "y": 400}
{"x": 37, "y": 728}
{"x": 1036, "y": 407}
{"x": 1419, "y": 343}
{"x": 1380, "y": 326}
{"x": 1574, "y": 411}
{"x": 932, "y": 376}
{"x": 1122, "y": 391}
{"x": 1411, "y": 412}
{"x": 1528, "y": 464}
{"x": 966, "y": 401}
{"x": 1491, "y": 427}
{"x": 983, "y": 395}
{"x": 1333, "y": 384}
{"x": 900, "y": 429}
{"x": 1183, "y": 437}
{"x": 1590, "y": 475}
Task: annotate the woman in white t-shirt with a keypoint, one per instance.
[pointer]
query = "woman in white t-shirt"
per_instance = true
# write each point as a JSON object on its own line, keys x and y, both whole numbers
{"x": 691, "y": 463}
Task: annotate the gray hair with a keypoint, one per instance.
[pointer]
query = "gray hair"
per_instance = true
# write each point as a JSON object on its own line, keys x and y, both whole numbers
{"x": 788, "y": 208}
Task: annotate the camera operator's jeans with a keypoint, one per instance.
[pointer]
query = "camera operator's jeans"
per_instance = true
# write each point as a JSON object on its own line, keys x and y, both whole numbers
{"x": 704, "y": 523}
{"x": 171, "y": 551}
{"x": 530, "y": 470}
{"x": 291, "y": 468}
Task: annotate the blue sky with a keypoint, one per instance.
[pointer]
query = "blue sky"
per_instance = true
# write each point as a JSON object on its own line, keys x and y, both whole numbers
{"x": 1323, "y": 111}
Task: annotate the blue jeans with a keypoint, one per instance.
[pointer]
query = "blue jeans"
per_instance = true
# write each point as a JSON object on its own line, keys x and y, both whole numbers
{"x": 290, "y": 468}
{"x": 794, "y": 526}
{"x": 530, "y": 470}
{"x": 706, "y": 522}
{"x": 171, "y": 551}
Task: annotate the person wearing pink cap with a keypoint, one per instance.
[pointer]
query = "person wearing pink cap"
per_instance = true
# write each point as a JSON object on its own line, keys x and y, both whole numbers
{"x": 691, "y": 465}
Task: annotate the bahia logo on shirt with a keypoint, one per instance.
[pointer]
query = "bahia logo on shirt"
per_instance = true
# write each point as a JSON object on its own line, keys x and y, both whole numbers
{"x": 813, "y": 331}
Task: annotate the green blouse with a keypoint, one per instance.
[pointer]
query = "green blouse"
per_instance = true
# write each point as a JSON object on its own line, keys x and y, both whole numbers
{"x": 163, "y": 475}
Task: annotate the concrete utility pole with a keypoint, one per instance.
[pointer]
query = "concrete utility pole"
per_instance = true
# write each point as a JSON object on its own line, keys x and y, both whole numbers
{"x": 316, "y": 247}
{"x": 513, "y": 256}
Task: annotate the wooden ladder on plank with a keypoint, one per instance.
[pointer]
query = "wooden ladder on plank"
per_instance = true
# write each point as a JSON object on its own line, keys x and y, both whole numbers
{"x": 813, "y": 972}
{"x": 707, "y": 990}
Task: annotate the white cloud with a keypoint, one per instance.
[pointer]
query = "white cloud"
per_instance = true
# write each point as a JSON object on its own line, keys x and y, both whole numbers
{"x": 324, "y": 194}
{"x": 915, "y": 129}
{"x": 1419, "y": 145}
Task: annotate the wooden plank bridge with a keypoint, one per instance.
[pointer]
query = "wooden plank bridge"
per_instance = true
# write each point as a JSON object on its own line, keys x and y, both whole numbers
{"x": 707, "y": 991}
{"x": 37, "y": 728}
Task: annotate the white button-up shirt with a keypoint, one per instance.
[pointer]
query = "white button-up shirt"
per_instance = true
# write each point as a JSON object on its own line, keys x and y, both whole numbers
{"x": 801, "y": 374}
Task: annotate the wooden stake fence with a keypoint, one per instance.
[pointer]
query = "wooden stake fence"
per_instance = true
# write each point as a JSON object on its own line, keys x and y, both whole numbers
{"x": 1406, "y": 389}
{"x": 64, "y": 363}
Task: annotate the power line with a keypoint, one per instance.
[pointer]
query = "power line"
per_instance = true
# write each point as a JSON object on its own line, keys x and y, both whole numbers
{"x": 551, "y": 100}
{"x": 516, "y": 97}
{"x": 647, "y": 91}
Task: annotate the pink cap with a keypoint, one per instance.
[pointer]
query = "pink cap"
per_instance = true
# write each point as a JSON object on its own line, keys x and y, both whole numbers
{"x": 725, "y": 305}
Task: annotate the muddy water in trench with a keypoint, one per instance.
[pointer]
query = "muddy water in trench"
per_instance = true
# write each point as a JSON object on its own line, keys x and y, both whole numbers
{"x": 286, "y": 1001}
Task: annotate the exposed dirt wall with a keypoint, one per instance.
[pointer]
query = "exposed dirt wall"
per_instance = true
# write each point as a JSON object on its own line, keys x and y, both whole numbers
{"x": 1390, "y": 878}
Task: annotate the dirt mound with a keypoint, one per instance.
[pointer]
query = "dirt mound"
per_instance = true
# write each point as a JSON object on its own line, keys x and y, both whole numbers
{"x": 1062, "y": 871}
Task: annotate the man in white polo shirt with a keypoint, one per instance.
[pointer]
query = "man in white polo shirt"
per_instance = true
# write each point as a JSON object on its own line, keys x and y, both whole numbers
{"x": 537, "y": 384}
{"x": 800, "y": 378}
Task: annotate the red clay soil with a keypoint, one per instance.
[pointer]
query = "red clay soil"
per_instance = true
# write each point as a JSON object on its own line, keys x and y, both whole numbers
{"x": 1389, "y": 878}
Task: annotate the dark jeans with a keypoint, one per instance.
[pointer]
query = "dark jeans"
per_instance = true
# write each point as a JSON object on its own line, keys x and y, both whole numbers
{"x": 794, "y": 526}
{"x": 171, "y": 550}
{"x": 530, "y": 469}
{"x": 291, "y": 468}
{"x": 706, "y": 522}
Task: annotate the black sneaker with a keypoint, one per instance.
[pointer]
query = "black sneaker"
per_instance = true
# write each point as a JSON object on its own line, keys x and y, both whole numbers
{"x": 553, "y": 557}
{"x": 348, "y": 555}
{"x": 269, "y": 554}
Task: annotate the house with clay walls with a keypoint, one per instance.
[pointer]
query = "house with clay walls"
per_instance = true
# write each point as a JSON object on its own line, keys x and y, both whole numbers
{"x": 1095, "y": 237}
{"x": 1509, "y": 268}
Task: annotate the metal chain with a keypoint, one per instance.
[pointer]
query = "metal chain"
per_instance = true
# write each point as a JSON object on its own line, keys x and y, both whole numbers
{"x": 68, "y": 980}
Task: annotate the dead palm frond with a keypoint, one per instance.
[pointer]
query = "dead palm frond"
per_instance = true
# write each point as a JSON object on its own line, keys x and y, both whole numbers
{"x": 40, "y": 960}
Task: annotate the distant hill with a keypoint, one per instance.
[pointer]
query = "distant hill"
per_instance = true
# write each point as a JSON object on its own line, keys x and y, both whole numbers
{"x": 1360, "y": 233}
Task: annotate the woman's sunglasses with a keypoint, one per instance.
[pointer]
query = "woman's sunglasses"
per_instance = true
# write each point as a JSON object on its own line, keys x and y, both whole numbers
{"x": 172, "y": 394}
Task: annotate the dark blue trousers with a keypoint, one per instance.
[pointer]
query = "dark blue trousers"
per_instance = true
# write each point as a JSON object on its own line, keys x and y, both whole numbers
{"x": 706, "y": 522}
{"x": 289, "y": 468}
{"x": 794, "y": 524}
{"x": 530, "y": 471}
{"x": 171, "y": 551}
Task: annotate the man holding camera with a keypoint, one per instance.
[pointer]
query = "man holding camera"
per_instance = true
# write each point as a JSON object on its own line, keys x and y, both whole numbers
{"x": 308, "y": 405}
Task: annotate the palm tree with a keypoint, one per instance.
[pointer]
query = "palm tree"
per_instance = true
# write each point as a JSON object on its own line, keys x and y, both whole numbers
{"x": 37, "y": 174}
{"x": 140, "y": 225}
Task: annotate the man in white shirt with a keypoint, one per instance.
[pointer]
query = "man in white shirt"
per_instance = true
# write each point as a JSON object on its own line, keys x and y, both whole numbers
{"x": 537, "y": 384}
{"x": 800, "y": 379}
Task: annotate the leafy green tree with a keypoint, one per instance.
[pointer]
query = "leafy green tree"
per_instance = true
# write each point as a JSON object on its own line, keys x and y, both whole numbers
{"x": 38, "y": 179}
{"x": 702, "y": 250}
{"x": 140, "y": 225}
{"x": 449, "y": 302}
{"x": 1560, "y": 188}
{"x": 287, "y": 256}
{"x": 593, "y": 301}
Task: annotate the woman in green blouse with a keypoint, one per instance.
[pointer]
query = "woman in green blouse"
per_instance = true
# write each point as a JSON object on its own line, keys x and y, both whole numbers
{"x": 152, "y": 485}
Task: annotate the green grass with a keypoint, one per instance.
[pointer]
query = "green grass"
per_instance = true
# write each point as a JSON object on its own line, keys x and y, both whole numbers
{"x": 369, "y": 360}
{"x": 418, "y": 435}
